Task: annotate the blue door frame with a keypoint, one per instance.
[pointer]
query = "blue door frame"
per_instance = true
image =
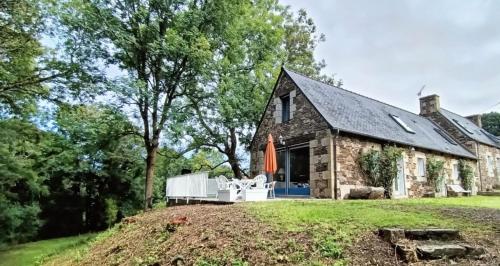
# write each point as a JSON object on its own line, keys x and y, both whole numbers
{"x": 288, "y": 190}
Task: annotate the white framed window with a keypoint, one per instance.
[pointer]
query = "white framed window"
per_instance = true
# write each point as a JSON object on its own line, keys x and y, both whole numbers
{"x": 455, "y": 172}
{"x": 285, "y": 108}
{"x": 489, "y": 165}
{"x": 421, "y": 169}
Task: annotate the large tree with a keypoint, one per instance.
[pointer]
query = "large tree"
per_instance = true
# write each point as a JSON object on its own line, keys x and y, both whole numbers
{"x": 26, "y": 66}
{"x": 21, "y": 184}
{"x": 244, "y": 71}
{"x": 162, "y": 46}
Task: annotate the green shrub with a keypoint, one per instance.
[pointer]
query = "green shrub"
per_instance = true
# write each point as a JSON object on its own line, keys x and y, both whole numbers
{"x": 466, "y": 175}
{"x": 111, "y": 211}
{"x": 435, "y": 173}
{"x": 369, "y": 163}
{"x": 330, "y": 248}
{"x": 381, "y": 167}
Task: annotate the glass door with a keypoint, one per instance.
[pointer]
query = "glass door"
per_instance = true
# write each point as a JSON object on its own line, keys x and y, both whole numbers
{"x": 292, "y": 177}
{"x": 399, "y": 182}
{"x": 298, "y": 183}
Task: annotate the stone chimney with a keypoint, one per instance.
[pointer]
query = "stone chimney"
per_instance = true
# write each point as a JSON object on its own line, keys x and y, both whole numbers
{"x": 429, "y": 104}
{"x": 476, "y": 119}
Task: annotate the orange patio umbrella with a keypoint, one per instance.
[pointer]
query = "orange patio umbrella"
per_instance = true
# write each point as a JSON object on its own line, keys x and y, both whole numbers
{"x": 270, "y": 165}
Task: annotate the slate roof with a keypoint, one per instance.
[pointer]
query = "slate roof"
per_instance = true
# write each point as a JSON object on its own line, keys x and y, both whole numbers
{"x": 471, "y": 130}
{"x": 357, "y": 114}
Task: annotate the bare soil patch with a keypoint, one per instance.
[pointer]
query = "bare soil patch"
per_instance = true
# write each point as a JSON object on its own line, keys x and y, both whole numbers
{"x": 201, "y": 235}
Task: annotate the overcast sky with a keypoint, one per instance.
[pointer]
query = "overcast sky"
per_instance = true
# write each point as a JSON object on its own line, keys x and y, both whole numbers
{"x": 388, "y": 50}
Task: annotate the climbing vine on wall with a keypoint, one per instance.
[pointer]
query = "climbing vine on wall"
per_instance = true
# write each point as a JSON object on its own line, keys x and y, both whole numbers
{"x": 435, "y": 173}
{"x": 466, "y": 175}
{"x": 369, "y": 163}
{"x": 380, "y": 167}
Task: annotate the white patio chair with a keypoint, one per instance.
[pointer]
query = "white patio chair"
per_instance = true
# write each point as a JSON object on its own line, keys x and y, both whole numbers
{"x": 227, "y": 190}
{"x": 270, "y": 186}
{"x": 260, "y": 181}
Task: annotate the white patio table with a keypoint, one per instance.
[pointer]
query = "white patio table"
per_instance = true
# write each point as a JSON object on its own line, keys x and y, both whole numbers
{"x": 244, "y": 183}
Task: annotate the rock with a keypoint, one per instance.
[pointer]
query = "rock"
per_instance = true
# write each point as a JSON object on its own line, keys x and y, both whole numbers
{"x": 429, "y": 195}
{"x": 433, "y": 233}
{"x": 359, "y": 193}
{"x": 178, "y": 260}
{"x": 437, "y": 251}
{"x": 376, "y": 193}
{"x": 406, "y": 252}
{"x": 366, "y": 193}
{"x": 473, "y": 251}
{"x": 391, "y": 235}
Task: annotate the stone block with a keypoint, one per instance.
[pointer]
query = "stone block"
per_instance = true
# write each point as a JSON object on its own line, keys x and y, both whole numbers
{"x": 359, "y": 193}
{"x": 437, "y": 251}
{"x": 321, "y": 167}
{"x": 391, "y": 235}
{"x": 313, "y": 143}
{"x": 376, "y": 193}
{"x": 432, "y": 234}
{"x": 406, "y": 252}
{"x": 473, "y": 251}
{"x": 325, "y": 141}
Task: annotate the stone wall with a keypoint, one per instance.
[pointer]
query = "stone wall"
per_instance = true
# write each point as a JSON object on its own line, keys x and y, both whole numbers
{"x": 320, "y": 165}
{"x": 305, "y": 126}
{"x": 349, "y": 174}
{"x": 479, "y": 149}
{"x": 488, "y": 181}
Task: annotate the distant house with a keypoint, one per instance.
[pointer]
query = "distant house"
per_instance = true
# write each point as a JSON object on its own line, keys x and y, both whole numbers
{"x": 468, "y": 131}
{"x": 310, "y": 119}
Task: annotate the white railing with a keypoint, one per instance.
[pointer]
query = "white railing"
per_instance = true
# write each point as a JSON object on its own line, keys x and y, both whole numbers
{"x": 193, "y": 185}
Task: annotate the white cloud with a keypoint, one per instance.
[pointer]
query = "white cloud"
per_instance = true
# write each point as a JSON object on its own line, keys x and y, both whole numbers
{"x": 388, "y": 49}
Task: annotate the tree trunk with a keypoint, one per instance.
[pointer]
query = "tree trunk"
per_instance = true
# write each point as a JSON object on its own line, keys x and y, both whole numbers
{"x": 230, "y": 149}
{"x": 235, "y": 165}
{"x": 150, "y": 170}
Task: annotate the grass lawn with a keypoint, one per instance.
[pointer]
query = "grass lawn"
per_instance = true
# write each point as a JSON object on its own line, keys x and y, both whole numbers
{"x": 31, "y": 253}
{"x": 353, "y": 216}
{"x": 334, "y": 224}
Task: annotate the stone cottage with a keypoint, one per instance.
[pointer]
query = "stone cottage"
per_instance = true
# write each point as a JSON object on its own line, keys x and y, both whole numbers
{"x": 321, "y": 130}
{"x": 468, "y": 131}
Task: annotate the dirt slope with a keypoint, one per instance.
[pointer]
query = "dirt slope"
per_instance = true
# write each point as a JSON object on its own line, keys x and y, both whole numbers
{"x": 203, "y": 235}
{"x": 229, "y": 235}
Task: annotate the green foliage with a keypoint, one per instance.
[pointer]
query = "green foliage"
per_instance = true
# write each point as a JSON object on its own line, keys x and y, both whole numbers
{"x": 254, "y": 47}
{"x": 21, "y": 185}
{"x": 20, "y": 25}
{"x": 166, "y": 50}
{"x": 111, "y": 211}
{"x": 466, "y": 174}
{"x": 491, "y": 123}
{"x": 370, "y": 166}
{"x": 330, "y": 248}
{"x": 435, "y": 173}
{"x": 380, "y": 167}
{"x": 389, "y": 167}
{"x": 95, "y": 160}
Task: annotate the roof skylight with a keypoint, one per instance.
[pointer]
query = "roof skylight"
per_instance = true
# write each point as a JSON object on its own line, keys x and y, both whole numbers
{"x": 402, "y": 124}
{"x": 444, "y": 135}
{"x": 462, "y": 126}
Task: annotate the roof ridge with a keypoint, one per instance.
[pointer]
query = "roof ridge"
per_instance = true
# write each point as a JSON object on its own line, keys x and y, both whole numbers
{"x": 452, "y": 112}
{"x": 364, "y": 96}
